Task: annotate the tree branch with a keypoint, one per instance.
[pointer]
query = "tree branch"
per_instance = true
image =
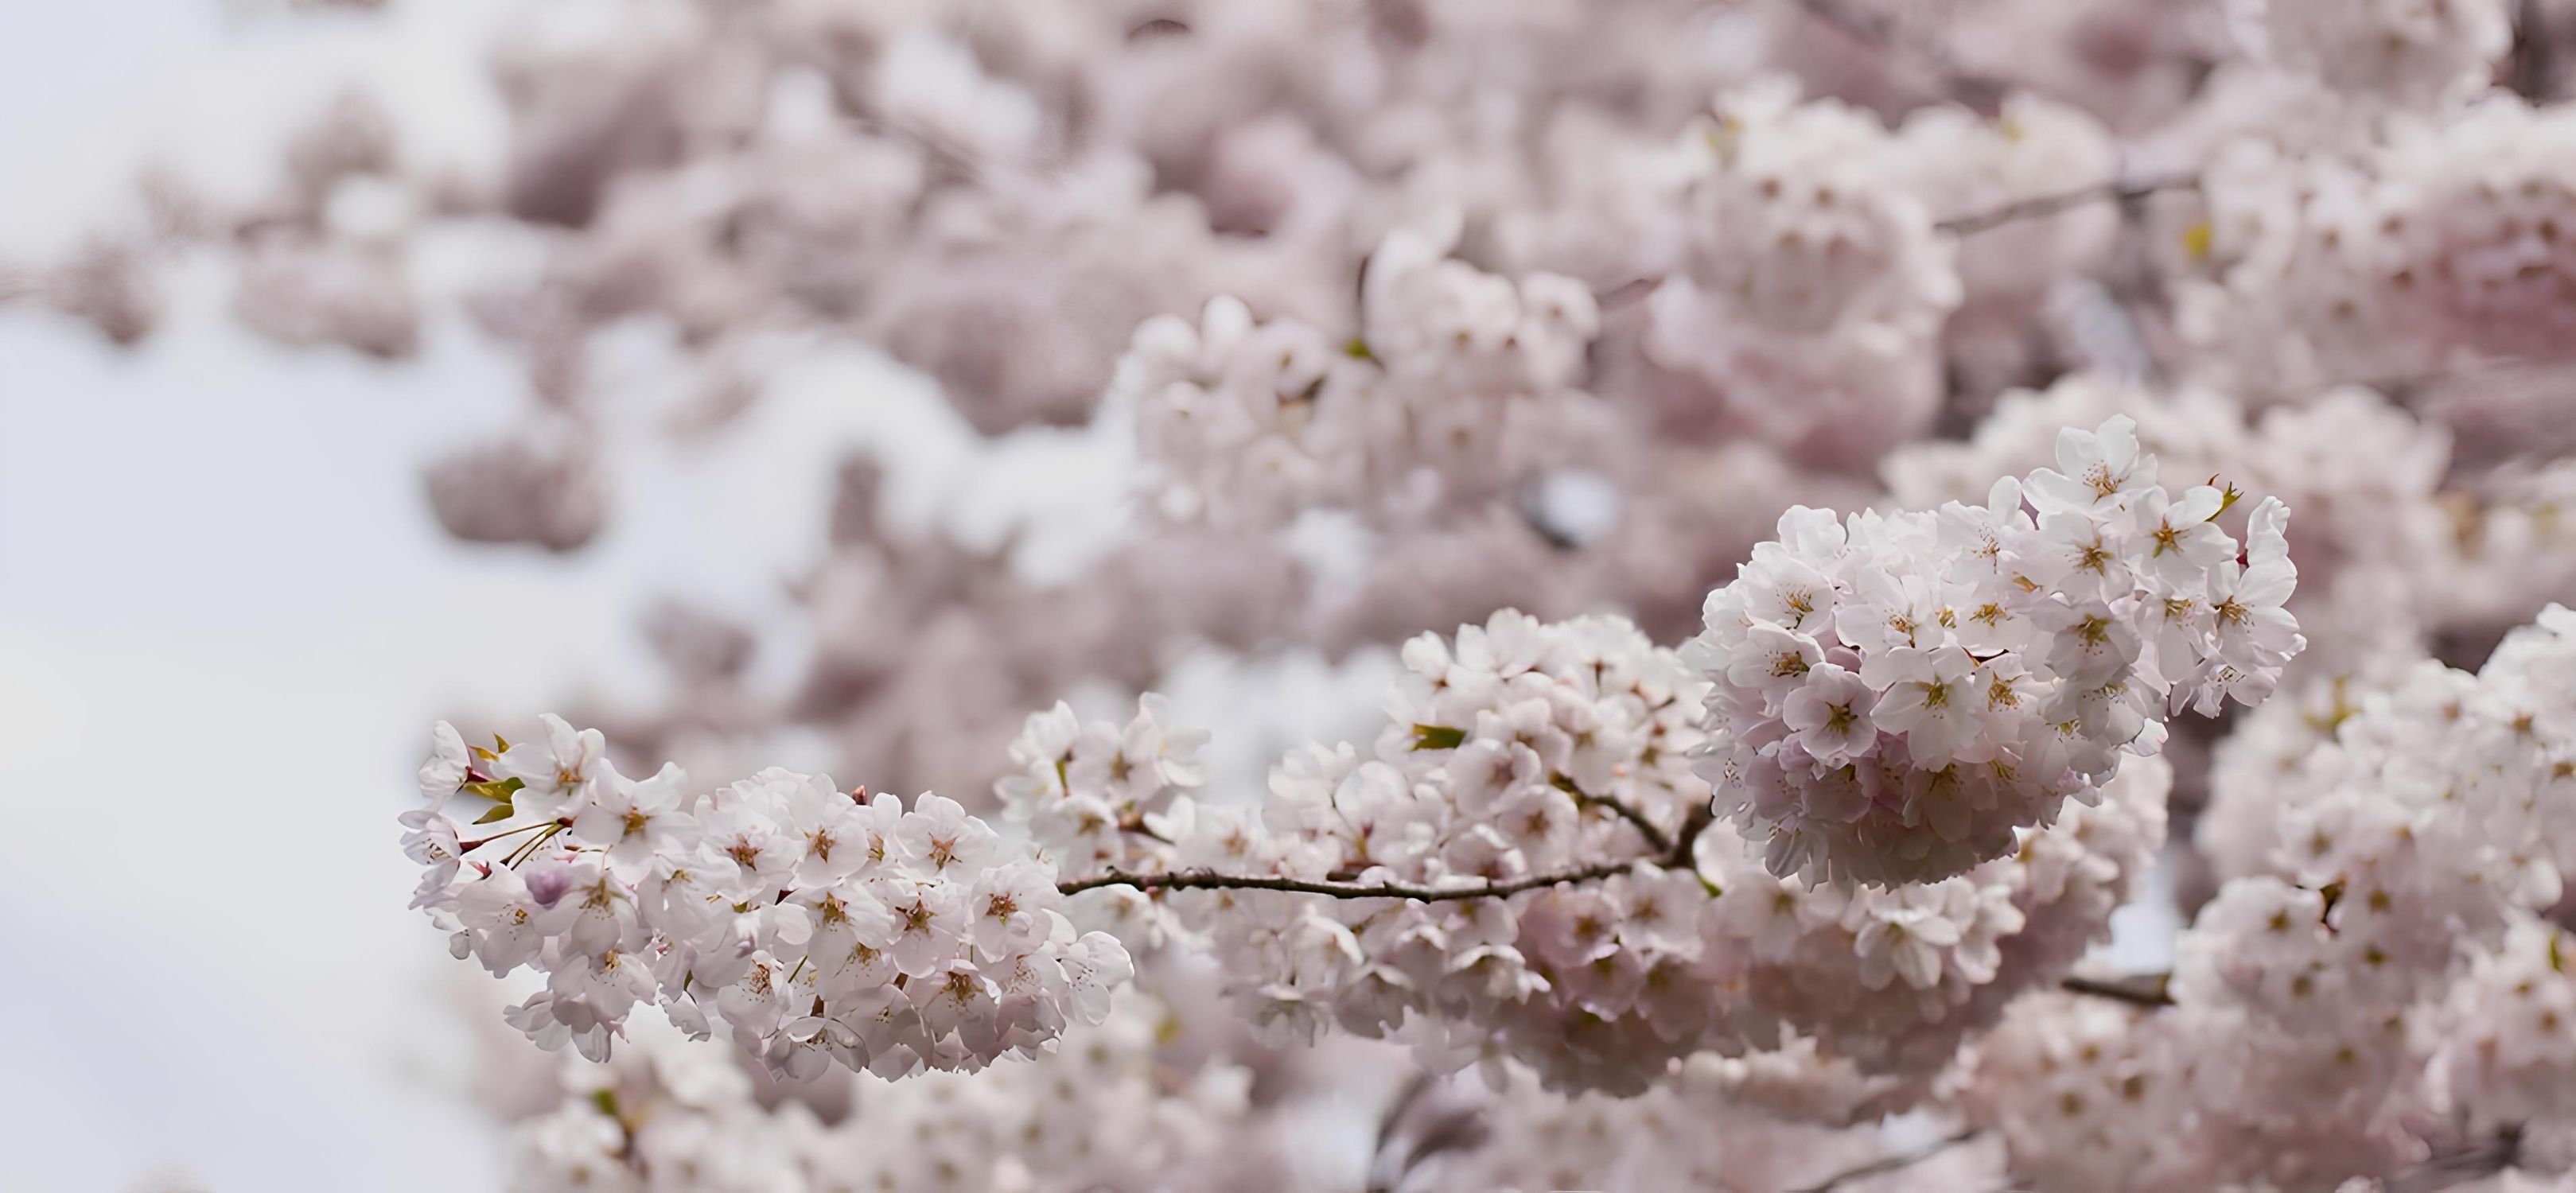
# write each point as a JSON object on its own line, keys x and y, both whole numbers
{"x": 1888, "y": 1164}
{"x": 1210, "y": 880}
{"x": 2530, "y": 62}
{"x": 2142, "y": 990}
{"x": 1657, "y": 839}
{"x": 2459, "y": 1166}
{"x": 1982, "y": 92}
{"x": 2036, "y": 207}
{"x": 2116, "y": 190}
{"x": 1702, "y": 815}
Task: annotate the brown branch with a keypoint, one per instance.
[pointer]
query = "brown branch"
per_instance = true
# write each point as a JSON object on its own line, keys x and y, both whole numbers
{"x": 1657, "y": 840}
{"x": 2142, "y": 990}
{"x": 1702, "y": 815}
{"x": 1210, "y": 880}
{"x": 1879, "y": 32}
{"x": 2036, "y": 207}
{"x": 2530, "y": 62}
{"x": 1133, "y": 823}
{"x": 1887, "y": 1164}
{"x": 2476, "y": 1161}
{"x": 2116, "y": 190}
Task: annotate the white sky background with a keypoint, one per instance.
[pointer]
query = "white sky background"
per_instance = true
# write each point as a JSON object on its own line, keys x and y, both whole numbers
{"x": 226, "y": 618}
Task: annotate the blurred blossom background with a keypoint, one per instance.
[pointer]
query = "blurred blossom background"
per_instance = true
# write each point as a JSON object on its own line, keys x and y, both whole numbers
{"x": 834, "y": 383}
{"x": 225, "y": 572}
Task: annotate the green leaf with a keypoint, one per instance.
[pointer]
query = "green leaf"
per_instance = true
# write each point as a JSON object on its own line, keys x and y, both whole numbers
{"x": 1358, "y": 349}
{"x": 606, "y": 1100}
{"x": 498, "y": 792}
{"x": 1438, "y": 737}
{"x": 1712, "y": 888}
{"x": 2557, "y": 960}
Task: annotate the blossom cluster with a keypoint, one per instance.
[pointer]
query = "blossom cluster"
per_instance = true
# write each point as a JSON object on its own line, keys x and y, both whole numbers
{"x": 1128, "y": 1106}
{"x": 1688, "y": 1133}
{"x": 816, "y": 924}
{"x": 1522, "y": 870}
{"x": 2437, "y": 243}
{"x": 1810, "y": 267}
{"x": 1893, "y": 696}
{"x": 2372, "y": 981}
{"x": 1106, "y": 1110}
{"x": 2366, "y": 477}
{"x": 1114, "y": 1106}
{"x": 1092, "y": 793}
{"x": 1524, "y": 752}
{"x": 2401, "y": 51}
{"x": 1456, "y": 376}
{"x": 1892, "y": 980}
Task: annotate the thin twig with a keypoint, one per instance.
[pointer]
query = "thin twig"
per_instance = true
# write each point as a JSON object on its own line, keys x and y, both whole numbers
{"x": 1879, "y": 32}
{"x": 1888, "y": 1164}
{"x": 2116, "y": 190}
{"x": 1133, "y": 823}
{"x": 2446, "y": 1169}
{"x": 1668, "y": 850}
{"x": 1656, "y": 838}
{"x": 1210, "y": 880}
{"x": 2036, "y": 207}
{"x": 2143, "y": 990}
{"x": 1702, "y": 815}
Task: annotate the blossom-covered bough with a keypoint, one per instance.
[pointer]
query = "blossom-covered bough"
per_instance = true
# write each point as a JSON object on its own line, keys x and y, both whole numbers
{"x": 1904, "y": 775}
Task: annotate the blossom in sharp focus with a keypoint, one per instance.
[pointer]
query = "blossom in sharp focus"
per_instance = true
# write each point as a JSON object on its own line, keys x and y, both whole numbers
{"x": 1895, "y": 696}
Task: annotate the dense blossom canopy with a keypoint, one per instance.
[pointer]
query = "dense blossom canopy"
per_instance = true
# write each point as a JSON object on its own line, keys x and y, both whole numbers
{"x": 1837, "y": 498}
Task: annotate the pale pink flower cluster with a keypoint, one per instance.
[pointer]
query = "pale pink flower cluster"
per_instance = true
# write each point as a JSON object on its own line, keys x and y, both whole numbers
{"x": 2436, "y": 243}
{"x": 2400, "y": 51}
{"x": 2464, "y": 772}
{"x": 2507, "y": 1048}
{"x": 1455, "y": 378}
{"x": 2070, "y": 1082}
{"x": 1687, "y": 1134}
{"x": 1523, "y": 751}
{"x": 1811, "y": 286}
{"x": 1891, "y": 980}
{"x": 2368, "y": 481}
{"x": 1893, "y": 696}
{"x": 818, "y": 925}
{"x": 1107, "y": 1109}
{"x": 2372, "y": 987}
{"x": 1963, "y": 165}
{"x": 1527, "y": 751}
{"x": 1090, "y": 794}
